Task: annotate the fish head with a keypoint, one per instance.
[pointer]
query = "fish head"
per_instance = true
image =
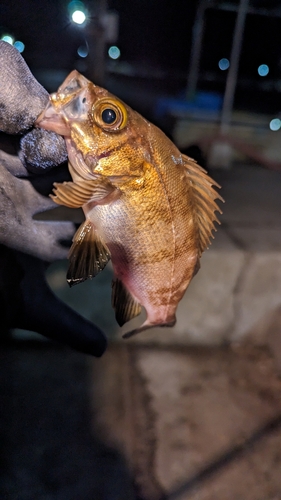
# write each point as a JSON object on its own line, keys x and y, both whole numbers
{"x": 110, "y": 137}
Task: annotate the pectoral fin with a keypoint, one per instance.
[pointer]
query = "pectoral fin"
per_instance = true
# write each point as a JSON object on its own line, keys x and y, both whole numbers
{"x": 87, "y": 256}
{"x": 76, "y": 194}
{"x": 125, "y": 306}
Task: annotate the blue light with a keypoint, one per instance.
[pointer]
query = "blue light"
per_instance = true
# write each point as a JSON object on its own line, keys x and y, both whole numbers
{"x": 75, "y": 5}
{"x": 82, "y": 51}
{"x": 19, "y": 45}
{"x": 114, "y": 52}
{"x": 223, "y": 64}
{"x": 263, "y": 70}
{"x": 7, "y": 38}
{"x": 275, "y": 124}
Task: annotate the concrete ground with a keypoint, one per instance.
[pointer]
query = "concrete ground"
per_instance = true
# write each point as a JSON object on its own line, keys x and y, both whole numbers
{"x": 194, "y": 423}
{"x": 192, "y": 412}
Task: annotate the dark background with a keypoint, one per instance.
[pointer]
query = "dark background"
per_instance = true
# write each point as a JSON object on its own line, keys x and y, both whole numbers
{"x": 155, "y": 42}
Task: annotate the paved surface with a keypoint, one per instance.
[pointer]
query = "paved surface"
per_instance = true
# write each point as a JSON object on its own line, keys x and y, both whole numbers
{"x": 193, "y": 423}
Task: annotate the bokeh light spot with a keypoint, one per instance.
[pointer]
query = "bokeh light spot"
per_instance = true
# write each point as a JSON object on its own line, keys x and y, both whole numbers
{"x": 114, "y": 52}
{"x": 82, "y": 51}
{"x": 263, "y": 70}
{"x": 78, "y": 17}
{"x": 223, "y": 64}
{"x": 8, "y": 38}
{"x": 275, "y": 124}
{"x": 19, "y": 45}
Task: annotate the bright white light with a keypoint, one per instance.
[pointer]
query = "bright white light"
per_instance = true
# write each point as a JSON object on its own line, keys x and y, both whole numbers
{"x": 78, "y": 17}
{"x": 223, "y": 64}
{"x": 82, "y": 51}
{"x": 263, "y": 70}
{"x": 275, "y": 124}
{"x": 7, "y": 38}
{"x": 19, "y": 45}
{"x": 114, "y": 52}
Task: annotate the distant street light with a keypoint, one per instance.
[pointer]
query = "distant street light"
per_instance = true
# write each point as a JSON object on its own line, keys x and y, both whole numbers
{"x": 19, "y": 45}
{"x": 100, "y": 27}
{"x": 114, "y": 52}
{"x": 83, "y": 51}
{"x": 223, "y": 64}
{"x": 263, "y": 70}
{"x": 77, "y": 11}
{"x": 78, "y": 17}
{"x": 7, "y": 38}
{"x": 275, "y": 124}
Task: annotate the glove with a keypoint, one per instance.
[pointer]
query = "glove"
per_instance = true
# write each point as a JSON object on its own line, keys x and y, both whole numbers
{"x": 22, "y": 99}
{"x": 26, "y": 300}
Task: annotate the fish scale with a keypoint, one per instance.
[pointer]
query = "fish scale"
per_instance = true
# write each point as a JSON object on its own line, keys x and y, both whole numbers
{"x": 147, "y": 206}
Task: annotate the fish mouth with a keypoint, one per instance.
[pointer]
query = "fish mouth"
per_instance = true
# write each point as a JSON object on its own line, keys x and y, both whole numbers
{"x": 53, "y": 121}
{"x": 70, "y": 103}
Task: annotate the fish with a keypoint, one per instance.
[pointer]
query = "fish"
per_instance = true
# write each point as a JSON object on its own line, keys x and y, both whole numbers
{"x": 148, "y": 208}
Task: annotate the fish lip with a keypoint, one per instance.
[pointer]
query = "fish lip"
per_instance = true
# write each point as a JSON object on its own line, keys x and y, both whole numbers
{"x": 50, "y": 120}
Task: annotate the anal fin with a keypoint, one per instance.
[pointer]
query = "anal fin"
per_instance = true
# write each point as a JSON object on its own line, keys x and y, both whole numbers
{"x": 88, "y": 255}
{"x": 125, "y": 306}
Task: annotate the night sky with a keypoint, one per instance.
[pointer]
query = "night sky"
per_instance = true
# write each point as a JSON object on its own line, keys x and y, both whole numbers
{"x": 153, "y": 34}
{"x": 154, "y": 31}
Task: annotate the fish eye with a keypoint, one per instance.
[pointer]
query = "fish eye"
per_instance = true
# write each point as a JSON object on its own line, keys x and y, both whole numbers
{"x": 108, "y": 116}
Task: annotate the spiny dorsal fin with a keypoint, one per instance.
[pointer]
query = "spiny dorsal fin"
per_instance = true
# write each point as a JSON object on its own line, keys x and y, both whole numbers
{"x": 76, "y": 194}
{"x": 87, "y": 256}
{"x": 125, "y": 306}
{"x": 204, "y": 196}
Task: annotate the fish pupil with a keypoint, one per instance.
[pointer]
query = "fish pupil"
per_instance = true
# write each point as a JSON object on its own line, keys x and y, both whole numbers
{"x": 108, "y": 116}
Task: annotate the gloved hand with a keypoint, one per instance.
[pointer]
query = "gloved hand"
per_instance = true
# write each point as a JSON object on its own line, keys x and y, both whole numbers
{"x": 26, "y": 300}
{"x": 22, "y": 99}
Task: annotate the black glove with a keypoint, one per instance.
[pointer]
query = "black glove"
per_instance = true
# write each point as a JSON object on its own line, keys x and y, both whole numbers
{"x": 26, "y": 300}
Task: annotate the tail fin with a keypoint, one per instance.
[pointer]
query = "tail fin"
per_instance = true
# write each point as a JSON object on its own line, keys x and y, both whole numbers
{"x": 147, "y": 326}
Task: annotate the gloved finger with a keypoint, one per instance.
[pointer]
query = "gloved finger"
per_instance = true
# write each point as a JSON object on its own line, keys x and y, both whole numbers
{"x": 12, "y": 164}
{"x": 22, "y": 98}
{"x": 44, "y": 239}
{"x": 19, "y": 202}
{"x": 42, "y": 150}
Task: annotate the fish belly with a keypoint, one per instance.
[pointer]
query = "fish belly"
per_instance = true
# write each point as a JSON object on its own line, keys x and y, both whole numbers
{"x": 152, "y": 249}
